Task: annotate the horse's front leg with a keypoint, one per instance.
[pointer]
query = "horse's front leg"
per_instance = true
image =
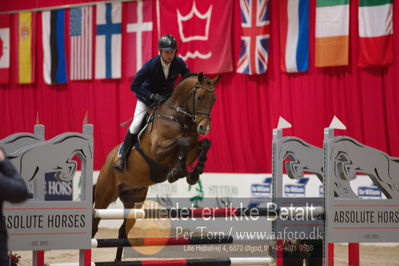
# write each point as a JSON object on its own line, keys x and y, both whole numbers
{"x": 202, "y": 151}
{"x": 181, "y": 168}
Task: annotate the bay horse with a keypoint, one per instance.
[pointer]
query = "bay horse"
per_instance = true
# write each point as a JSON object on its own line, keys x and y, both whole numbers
{"x": 165, "y": 147}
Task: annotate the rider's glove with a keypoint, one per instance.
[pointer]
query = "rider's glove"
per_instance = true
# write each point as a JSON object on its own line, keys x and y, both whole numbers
{"x": 157, "y": 97}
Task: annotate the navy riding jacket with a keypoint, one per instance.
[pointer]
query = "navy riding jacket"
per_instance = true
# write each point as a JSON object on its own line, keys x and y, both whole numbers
{"x": 151, "y": 78}
{"x": 12, "y": 189}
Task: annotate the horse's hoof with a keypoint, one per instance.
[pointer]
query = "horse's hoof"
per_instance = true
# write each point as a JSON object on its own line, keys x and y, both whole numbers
{"x": 171, "y": 178}
{"x": 192, "y": 178}
{"x": 180, "y": 172}
{"x": 191, "y": 181}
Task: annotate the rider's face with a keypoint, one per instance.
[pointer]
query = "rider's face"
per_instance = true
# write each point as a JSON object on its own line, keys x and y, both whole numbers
{"x": 167, "y": 55}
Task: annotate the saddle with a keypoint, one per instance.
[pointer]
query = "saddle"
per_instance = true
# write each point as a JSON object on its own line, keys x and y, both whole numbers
{"x": 143, "y": 126}
{"x": 158, "y": 172}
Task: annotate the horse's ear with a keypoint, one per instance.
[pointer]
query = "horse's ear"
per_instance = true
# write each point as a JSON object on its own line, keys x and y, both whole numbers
{"x": 216, "y": 80}
{"x": 200, "y": 77}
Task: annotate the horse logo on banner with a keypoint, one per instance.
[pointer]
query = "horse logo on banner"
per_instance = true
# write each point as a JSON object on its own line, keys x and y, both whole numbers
{"x": 351, "y": 157}
{"x": 31, "y": 163}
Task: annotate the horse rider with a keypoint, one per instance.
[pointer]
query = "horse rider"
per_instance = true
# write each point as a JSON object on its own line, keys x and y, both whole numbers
{"x": 152, "y": 85}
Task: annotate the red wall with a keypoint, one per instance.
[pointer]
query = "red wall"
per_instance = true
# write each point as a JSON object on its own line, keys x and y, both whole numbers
{"x": 246, "y": 111}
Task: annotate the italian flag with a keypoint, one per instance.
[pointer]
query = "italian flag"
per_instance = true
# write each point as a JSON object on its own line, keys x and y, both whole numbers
{"x": 375, "y": 33}
{"x": 332, "y": 33}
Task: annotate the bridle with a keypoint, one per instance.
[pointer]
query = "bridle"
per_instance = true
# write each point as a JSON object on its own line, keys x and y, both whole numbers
{"x": 185, "y": 111}
{"x": 194, "y": 112}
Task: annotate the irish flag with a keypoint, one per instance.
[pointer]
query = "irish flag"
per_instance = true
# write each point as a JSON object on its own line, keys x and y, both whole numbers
{"x": 375, "y": 33}
{"x": 332, "y": 32}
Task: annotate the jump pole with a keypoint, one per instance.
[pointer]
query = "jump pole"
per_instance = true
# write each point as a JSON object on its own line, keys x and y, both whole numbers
{"x": 203, "y": 212}
{"x": 159, "y": 241}
{"x": 182, "y": 262}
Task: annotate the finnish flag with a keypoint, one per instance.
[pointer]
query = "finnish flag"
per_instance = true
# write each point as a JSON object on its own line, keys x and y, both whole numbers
{"x": 108, "y": 40}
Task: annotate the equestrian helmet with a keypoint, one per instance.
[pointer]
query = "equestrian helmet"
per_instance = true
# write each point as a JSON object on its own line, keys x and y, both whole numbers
{"x": 167, "y": 42}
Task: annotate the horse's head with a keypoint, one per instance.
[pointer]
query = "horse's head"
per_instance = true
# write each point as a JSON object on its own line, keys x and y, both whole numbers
{"x": 201, "y": 99}
{"x": 193, "y": 99}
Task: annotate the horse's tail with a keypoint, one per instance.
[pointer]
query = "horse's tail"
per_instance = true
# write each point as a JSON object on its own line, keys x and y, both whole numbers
{"x": 94, "y": 193}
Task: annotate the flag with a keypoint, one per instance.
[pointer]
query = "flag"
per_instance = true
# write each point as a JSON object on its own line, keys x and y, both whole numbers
{"x": 138, "y": 32}
{"x": 198, "y": 27}
{"x": 4, "y": 48}
{"x": 332, "y": 33}
{"x": 294, "y": 35}
{"x": 108, "y": 40}
{"x": 54, "y": 66}
{"x": 26, "y": 39}
{"x": 81, "y": 32}
{"x": 255, "y": 25}
{"x": 375, "y": 33}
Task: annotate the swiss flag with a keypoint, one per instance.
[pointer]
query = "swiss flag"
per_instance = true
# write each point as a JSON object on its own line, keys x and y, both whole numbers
{"x": 202, "y": 30}
{"x": 137, "y": 33}
{"x": 4, "y": 48}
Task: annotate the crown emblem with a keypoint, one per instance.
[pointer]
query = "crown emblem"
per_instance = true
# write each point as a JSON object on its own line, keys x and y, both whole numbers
{"x": 201, "y": 32}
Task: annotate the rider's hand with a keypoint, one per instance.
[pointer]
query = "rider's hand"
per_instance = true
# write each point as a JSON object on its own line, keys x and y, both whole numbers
{"x": 157, "y": 97}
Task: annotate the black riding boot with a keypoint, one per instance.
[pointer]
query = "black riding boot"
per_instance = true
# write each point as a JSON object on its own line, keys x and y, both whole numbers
{"x": 128, "y": 143}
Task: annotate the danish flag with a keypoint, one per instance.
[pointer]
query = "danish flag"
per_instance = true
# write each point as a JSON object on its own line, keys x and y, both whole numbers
{"x": 255, "y": 25}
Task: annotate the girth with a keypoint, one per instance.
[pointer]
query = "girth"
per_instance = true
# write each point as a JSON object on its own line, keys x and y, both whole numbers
{"x": 158, "y": 172}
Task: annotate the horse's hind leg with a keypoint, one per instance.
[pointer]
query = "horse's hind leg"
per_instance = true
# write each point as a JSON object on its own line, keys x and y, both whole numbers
{"x": 104, "y": 193}
{"x": 131, "y": 198}
{"x": 203, "y": 149}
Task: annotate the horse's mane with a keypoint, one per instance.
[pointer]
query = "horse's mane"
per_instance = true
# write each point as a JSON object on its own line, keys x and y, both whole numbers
{"x": 189, "y": 75}
{"x": 192, "y": 74}
{"x": 181, "y": 87}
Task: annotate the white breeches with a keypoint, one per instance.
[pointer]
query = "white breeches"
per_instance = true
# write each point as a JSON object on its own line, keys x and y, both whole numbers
{"x": 139, "y": 114}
